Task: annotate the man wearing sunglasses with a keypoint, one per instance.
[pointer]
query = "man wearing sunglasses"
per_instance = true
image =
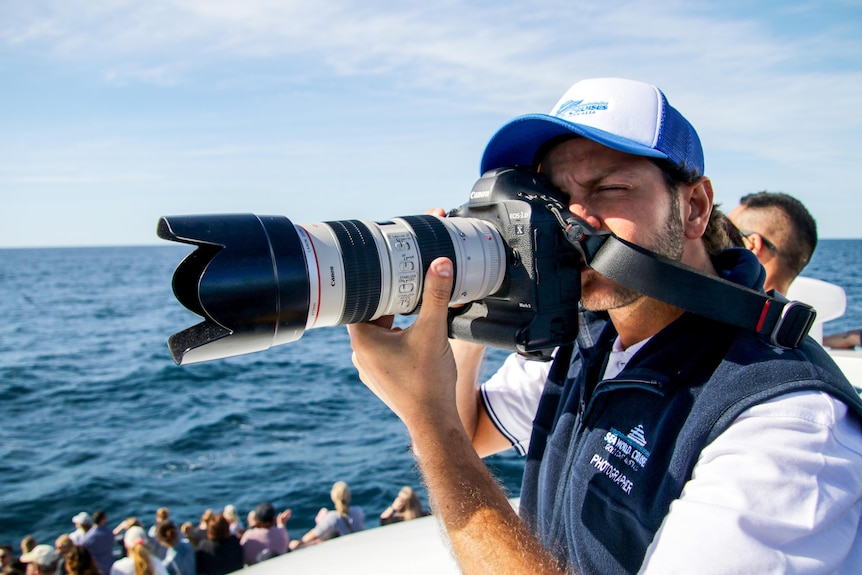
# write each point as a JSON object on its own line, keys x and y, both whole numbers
{"x": 781, "y": 233}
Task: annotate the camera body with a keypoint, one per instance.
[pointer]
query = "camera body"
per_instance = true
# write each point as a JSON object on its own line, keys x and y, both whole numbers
{"x": 260, "y": 281}
{"x": 536, "y": 309}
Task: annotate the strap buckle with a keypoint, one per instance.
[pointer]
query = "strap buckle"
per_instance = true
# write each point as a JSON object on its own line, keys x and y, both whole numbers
{"x": 793, "y": 325}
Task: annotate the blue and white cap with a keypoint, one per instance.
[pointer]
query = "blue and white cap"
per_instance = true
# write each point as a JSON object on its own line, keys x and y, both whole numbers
{"x": 626, "y": 115}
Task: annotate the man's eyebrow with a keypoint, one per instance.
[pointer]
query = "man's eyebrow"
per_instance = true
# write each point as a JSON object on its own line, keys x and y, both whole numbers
{"x": 608, "y": 173}
{"x": 603, "y": 174}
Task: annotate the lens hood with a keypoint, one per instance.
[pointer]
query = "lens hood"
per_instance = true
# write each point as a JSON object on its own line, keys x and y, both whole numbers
{"x": 242, "y": 279}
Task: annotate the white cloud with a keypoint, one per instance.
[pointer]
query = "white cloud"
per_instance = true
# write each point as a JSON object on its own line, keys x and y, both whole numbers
{"x": 779, "y": 88}
{"x": 165, "y": 75}
{"x": 506, "y": 57}
{"x": 488, "y": 49}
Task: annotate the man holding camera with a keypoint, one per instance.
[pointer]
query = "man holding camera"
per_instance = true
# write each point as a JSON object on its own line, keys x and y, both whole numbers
{"x": 664, "y": 442}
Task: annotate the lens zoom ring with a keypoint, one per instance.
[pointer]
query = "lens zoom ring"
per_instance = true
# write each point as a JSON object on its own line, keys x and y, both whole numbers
{"x": 433, "y": 239}
{"x": 362, "y": 276}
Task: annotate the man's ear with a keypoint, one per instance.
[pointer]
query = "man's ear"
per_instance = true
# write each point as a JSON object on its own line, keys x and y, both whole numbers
{"x": 754, "y": 242}
{"x": 696, "y": 201}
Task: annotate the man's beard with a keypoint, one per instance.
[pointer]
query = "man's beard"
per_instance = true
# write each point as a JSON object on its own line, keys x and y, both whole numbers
{"x": 669, "y": 243}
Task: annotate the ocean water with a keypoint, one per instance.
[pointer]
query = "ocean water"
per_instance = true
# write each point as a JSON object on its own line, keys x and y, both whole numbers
{"x": 94, "y": 414}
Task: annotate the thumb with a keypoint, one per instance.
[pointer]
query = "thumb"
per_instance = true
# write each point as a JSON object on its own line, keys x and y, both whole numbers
{"x": 437, "y": 291}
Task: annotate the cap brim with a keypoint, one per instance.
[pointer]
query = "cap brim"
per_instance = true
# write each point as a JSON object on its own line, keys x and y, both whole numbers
{"x": 40, "y": 558}
{"x": 518, "y": 142}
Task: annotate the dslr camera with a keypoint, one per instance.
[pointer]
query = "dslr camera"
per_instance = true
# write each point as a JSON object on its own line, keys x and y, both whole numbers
{"x": 260, "y": 281}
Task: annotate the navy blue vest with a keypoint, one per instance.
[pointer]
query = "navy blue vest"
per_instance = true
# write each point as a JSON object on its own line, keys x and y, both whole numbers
{"x": 607, "y": 458}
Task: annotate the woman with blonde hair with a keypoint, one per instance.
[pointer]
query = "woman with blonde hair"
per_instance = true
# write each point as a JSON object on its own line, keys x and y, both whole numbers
{"x": 405, "y": 507}
{"x": 343, "y": 520}
{"x": 139, "y": 560}
{"x": 63, "y": 545}
{"x": 233, "y": 520}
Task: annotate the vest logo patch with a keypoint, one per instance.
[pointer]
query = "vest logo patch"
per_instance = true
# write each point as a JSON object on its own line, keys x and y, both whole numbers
{"x": 625, "y": 453}
{"x": 618, "y": 477}
{"x": 637, "y": 435}
{"x": 629, "y": 448}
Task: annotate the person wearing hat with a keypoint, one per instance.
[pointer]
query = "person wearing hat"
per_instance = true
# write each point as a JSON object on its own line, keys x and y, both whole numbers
{"x": 41, "y": 560}
{"x": 663, "y": 442}
{"x": 82, "y": 522}
{"x": 138, "y": 560}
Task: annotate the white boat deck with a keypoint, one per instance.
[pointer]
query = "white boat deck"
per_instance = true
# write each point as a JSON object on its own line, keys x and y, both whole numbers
{"x": 850, "y": 362}
{"x": 414, "y": 547}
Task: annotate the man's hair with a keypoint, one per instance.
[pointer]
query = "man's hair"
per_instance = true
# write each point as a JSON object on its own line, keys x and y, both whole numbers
{"x": 28, "y": 543}
{"x": 796, "y": 253}
{"x": 715, "y": 237}
{"x": 63, "y": 543}
{"x": 167, "y": 533}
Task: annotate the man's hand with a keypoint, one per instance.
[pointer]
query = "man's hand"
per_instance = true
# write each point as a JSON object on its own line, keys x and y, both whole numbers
{"x": 412, "y": 370}
{"x": 283, "y": 518}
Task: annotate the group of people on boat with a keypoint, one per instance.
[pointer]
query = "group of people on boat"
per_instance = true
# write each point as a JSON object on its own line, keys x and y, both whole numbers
{"x": 218, "y": 544}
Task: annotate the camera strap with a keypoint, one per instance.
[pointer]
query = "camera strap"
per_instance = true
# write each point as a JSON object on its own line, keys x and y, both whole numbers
{"x": 782, "y": 322}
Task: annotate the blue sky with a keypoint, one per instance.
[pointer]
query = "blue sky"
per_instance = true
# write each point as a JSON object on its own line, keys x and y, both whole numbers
{"x": 115, "y": 112}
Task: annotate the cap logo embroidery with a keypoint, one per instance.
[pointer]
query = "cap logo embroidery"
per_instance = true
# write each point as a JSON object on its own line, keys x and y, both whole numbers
{"x": 579, "y": 108}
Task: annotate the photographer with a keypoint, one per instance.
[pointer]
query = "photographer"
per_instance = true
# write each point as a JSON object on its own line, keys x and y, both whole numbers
{"x": 664, "y": 442}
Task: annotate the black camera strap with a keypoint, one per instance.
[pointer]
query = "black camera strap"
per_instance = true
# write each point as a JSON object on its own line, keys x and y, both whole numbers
{"x": 782, "y": 322}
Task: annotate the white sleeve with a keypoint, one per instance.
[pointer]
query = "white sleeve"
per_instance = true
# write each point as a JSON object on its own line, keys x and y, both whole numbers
{"x": 780, "y": 491}
{"x": 511, "y": 397}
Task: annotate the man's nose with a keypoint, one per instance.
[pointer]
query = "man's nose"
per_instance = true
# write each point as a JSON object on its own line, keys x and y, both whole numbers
{"x": 583, "y": 212}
